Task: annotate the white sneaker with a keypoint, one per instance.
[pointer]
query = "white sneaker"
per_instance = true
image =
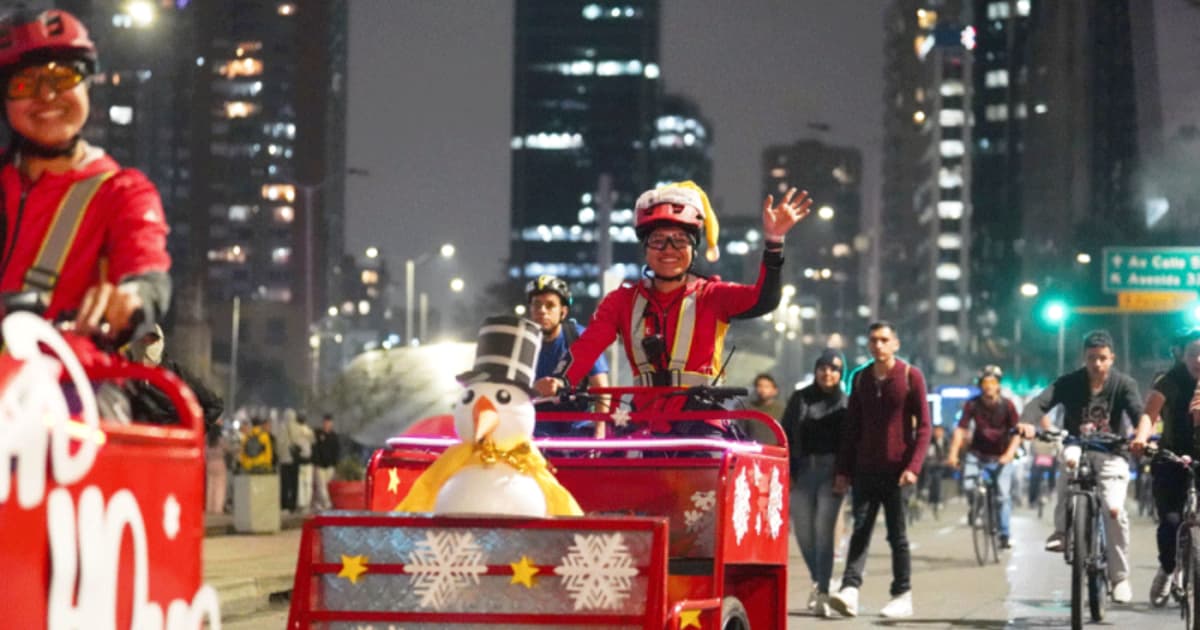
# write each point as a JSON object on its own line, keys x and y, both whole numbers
{"x": 845, "y": 601}
{"x": 1056, "y": 541}
{"x": 1160, "y": 589}
{"x": 900, "y": 606}
{"x": 1122, "y": 593}
{"x": 821, "y": 608}
{"x": 813, "y": 597}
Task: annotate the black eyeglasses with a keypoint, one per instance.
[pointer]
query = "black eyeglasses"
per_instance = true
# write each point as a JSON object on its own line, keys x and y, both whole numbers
{"x": 660, "y": 243}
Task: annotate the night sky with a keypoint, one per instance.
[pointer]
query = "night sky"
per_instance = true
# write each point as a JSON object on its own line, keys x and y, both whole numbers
{"x": 431, "y": 107}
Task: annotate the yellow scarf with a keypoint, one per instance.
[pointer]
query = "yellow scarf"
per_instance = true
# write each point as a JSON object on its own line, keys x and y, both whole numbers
{"x": 525, "y": 458}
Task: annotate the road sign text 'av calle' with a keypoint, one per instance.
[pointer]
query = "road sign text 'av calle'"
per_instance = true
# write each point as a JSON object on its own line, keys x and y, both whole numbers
{"x": 1151, "y": 269}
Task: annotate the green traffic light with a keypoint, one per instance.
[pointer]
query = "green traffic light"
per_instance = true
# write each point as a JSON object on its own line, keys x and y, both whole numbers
{"x": 1055, "y": 312}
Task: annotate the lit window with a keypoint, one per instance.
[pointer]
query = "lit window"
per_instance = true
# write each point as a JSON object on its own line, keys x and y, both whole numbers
{"x": 1019, "y": 110}
{"x": 650, "y": 71}
{"x": 997, "y": 10}
{"x": 281, "y": 255}
{"x": 278, "y": 192}
{"x": 949, "y": 241}
{"x": 922, "y": 44}
{"x": 1023, "y": 7}
{"x": 284, "y": 214}
{"x": 587, "y": 215}
{"x": 239, "y": 213}
{"x": 949, "y": 271}
{"x": 952, "y": 87}
{"x": 554, "y": 141}
{"x": 286, "y": 8}
{"x": 997, "y": 112}
{"x": 1040, "y": 108}
{"x": 244, "y": 67}
{"x": 926, "y": 19}
{"x": 240, "y": 109}
{"x": 951, "y": 118}
{"x": 996, "y": 78}
{"x": 120, "y": 114}
{"x": 918, "y": 117}
{"x": 779, "y": 172}
{"x": 947, "y": 333}
{"x": 952, "y": 210}
{"x": 592, "y": 12}
{"x": 245, "y": 48}
{"x": 951, "y": 148}
{"x": 737, "y": 248}
{"x": 232, "y": 254}
{"x": 370, "y": 276}
{"x": 949, "y": 303}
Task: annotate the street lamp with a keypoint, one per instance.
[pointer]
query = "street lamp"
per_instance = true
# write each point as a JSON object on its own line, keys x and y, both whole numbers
{"x": 825, "y": 213}
{"x": 457, "y": 285}
{"x": 1029, "y": 289}
{"x": 372, "y": 253}
{"x": 1056, "y": 313}
{"x": 410, "y": 271}
{"x": 141, "y": 12}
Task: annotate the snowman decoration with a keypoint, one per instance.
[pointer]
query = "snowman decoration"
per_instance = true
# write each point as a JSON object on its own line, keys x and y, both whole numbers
{"x": 496, "y": 469}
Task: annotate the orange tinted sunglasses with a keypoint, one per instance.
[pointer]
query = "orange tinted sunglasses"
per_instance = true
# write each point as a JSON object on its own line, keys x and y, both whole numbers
{"x": 27, "y": 82}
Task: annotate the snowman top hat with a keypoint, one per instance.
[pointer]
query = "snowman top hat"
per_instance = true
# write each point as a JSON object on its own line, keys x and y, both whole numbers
{"x": 506, "y": 352}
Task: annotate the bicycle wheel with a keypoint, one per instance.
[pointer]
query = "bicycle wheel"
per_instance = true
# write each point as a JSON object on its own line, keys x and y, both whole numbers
{"x": 1191, "y": 580}
{"x": 1080, "y": 519}
{"x": 979, "y": 527}
{"x": 993, "y": 512}
{"x": 1097, "y": 575}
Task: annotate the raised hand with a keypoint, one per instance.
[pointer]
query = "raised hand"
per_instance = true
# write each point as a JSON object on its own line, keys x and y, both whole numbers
{"x": 778, "y": 219}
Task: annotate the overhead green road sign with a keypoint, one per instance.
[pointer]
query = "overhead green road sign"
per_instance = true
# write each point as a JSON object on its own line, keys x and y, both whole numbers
{"x": 1151, "y": 269}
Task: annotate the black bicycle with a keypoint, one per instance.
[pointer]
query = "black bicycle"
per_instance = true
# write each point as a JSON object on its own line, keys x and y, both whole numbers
{"x": 1185, "y": 582}
{"x": 1085, "y": 544}
{"x": 983, "y": 515}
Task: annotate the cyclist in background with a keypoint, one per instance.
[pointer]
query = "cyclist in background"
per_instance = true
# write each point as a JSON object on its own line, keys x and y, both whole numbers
{"x": 1095, "y": 398}
{"x": 1168, "y": 399}
{"x": 993, "y": 443}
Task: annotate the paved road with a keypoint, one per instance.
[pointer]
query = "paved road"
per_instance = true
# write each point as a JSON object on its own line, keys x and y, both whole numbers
{"x": 1028, "y": 589}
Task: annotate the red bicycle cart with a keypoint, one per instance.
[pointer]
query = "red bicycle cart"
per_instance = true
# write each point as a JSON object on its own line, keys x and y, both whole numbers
{"x": 102, "y": 522}
{"x": 678, "y": 533}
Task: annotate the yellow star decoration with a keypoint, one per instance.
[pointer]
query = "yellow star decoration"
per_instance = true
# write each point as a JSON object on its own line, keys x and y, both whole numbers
{"x": 353, "y": 567}
{"x": 393, "y": 481}
{"x": 689, "y": 618}
{"x": 523, "y": 572}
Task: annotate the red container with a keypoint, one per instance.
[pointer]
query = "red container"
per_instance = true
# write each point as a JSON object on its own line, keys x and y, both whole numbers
{"x": 348, "y": 495}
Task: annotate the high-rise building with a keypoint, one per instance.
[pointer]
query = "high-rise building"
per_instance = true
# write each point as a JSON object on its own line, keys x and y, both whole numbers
{"x": 584, "y": 106}
{"x": 236, "y": 109}
{"x": 681, "y": 148}
{"x": 927, "y": 180}
{"x": 823, "y": 260}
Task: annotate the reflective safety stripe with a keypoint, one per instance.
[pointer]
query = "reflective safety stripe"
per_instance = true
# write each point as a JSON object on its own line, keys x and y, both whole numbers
{"x": 678, "y": 379}
{"x": 684, "y": 329}
{"x": 43, "y": 273}
{"x": 637, "y": 333}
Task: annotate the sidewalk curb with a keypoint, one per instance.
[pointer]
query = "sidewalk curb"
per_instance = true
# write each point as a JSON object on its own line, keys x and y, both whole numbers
{"x": 242, "y": 597}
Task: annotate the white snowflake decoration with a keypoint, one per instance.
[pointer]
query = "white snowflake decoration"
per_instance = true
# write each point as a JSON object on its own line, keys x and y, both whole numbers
{"x": 693, "y": 519}
{"x": 171, "y": 513}
{"x": 704, "y": 501}
{"x": 597, "y": 571}
{"x": 620, "y": 417}
{"x": 775, "y": 504}
{"x": 443, "y": 563}
{"x": 741, "y": 507}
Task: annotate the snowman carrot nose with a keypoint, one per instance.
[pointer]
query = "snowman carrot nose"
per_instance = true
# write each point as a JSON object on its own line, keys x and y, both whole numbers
{"x": 486, "y": 418}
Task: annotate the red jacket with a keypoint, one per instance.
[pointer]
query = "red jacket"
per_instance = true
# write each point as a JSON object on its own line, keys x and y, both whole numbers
{"x": 881, "y": 435}
{"x": 714, "y": 302}
{"x": 123, "y": 232}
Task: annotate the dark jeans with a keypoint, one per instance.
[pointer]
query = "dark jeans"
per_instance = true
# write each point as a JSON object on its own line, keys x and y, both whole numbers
{"x": 289, "y": 482}
{"x": 869, "y": 493}
{"x": 1170, "y": 493}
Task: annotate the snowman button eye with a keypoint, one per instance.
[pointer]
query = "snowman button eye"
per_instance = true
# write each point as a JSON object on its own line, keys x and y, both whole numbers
{"x": 504, "y": 397}
{"x": 468, "y": 397}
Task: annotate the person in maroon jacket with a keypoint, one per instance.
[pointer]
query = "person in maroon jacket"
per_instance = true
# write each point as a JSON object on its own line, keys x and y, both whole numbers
{"x": 994, "y": 442}
{"x": 886, "y": 436}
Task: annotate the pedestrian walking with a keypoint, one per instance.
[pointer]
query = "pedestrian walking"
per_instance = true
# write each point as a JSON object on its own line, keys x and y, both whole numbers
{"x": 285, "y": 455}
{"x": 302, "y": 449}
{"x": 814, "y": 421}
{"x": 887, "y": 435}
{"x": 765, "y": 399}
{"x": 326, "y": 453}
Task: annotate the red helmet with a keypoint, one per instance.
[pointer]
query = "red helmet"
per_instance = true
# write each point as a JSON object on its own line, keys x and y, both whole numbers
{"x": 26, "y": 37}
{"x": 683, "y": 204}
